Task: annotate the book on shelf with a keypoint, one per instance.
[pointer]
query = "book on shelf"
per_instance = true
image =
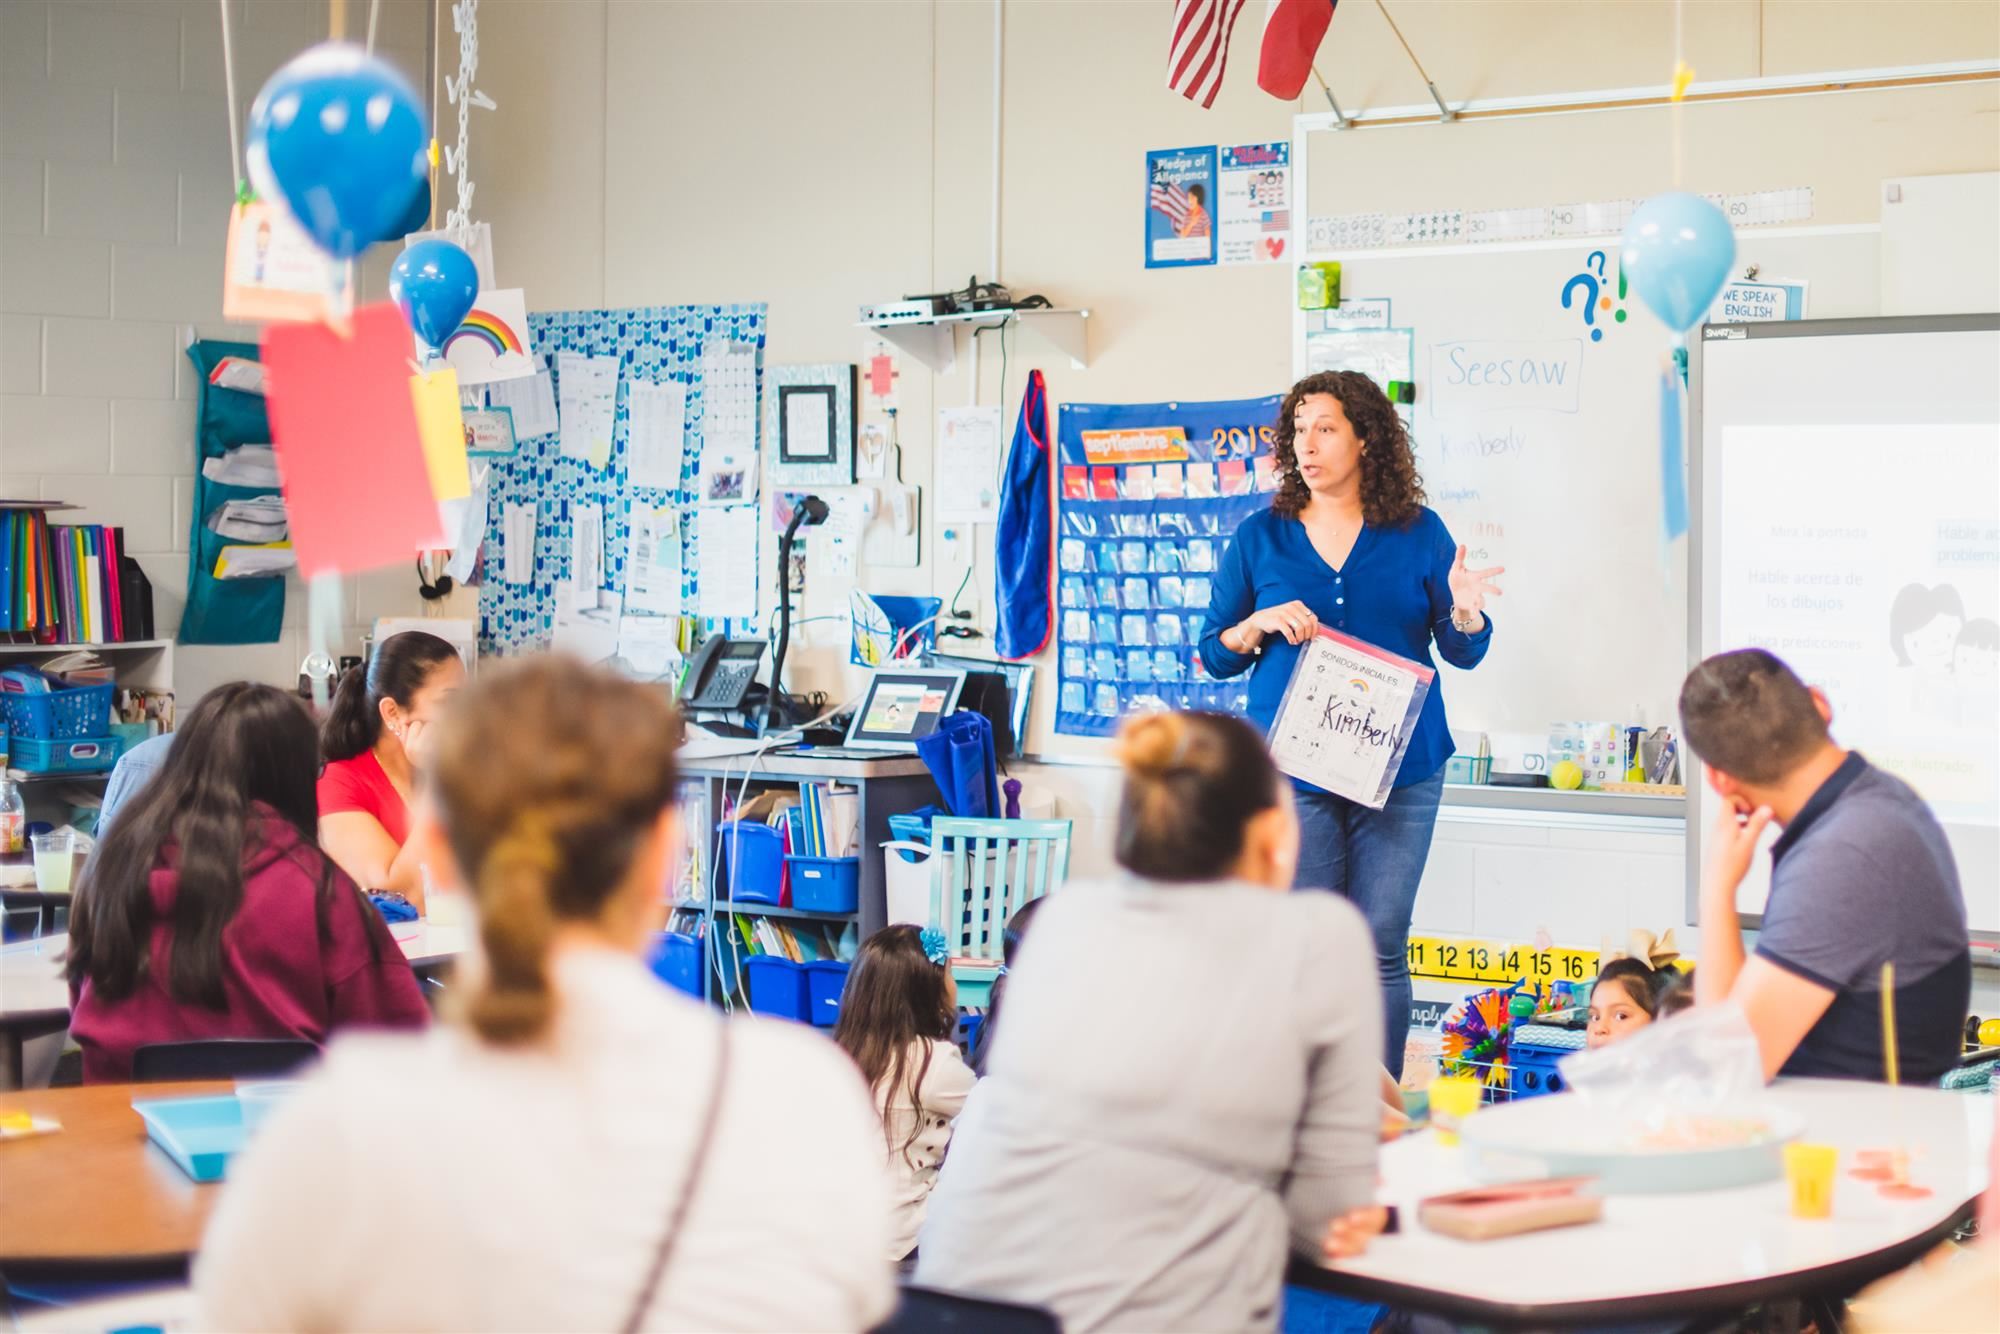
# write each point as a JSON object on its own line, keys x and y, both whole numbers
{"x": 70, "y": 583}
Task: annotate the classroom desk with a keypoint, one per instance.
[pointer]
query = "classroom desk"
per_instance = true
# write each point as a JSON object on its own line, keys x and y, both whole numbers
{"x": 98, "y": 1193}
{"x": 1674, "y": 1255}
{"x": 34, "y": 999}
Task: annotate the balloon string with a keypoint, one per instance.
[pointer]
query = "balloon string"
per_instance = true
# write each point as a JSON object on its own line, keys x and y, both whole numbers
{"x": 1677, "y": 112}
{"x": 374, "y": 12}
{"x": 229, "y": 91}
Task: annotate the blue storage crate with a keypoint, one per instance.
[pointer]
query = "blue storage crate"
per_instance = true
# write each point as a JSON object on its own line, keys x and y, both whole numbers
{"x": 200, "y": 1134}
{"x": 777, "y": 987}
{"x": 1532, "y": 1056}
{"x": 753, "y": 861}
{"x": 826, "y": 979}
{"x": 825, "y": 884}
{"x": 676, "y": 961}
{"x": 79, "y": 712}
{"x": 86, "y": 755}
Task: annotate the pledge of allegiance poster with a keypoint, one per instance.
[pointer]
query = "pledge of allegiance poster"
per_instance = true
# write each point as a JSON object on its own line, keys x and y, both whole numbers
{"x": 1180, "y": 207}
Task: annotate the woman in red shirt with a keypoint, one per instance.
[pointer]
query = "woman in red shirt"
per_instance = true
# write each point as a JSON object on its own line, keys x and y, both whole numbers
{"x": 208, "y": 912}
{"x": 373, "y": 740}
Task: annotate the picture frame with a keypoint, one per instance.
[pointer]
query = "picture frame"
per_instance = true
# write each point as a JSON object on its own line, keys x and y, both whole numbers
{"x": 489, "y": 433}
{"x": 809, "y": 424}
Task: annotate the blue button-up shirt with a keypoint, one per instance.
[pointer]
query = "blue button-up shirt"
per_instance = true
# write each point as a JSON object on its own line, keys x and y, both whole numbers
{"x": 1394, "y": 592}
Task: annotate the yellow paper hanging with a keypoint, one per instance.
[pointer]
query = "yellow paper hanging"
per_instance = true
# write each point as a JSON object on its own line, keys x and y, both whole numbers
{"x": 442, "y": 429}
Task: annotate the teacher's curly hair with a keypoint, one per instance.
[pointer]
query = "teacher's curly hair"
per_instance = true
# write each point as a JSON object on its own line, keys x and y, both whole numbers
{"x": 1391, "y": 490}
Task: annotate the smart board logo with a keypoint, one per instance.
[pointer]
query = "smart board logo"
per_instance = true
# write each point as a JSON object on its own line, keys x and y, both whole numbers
{"x": 1714, "y": 331}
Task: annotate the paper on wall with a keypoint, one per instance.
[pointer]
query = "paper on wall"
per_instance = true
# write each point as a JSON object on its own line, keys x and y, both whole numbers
{"x": 272, "y": 270}
{"x": 517, "y": 544}
{"x": 658, "y": 420}
{"x": 589, "y": 391}
{"x": 968, "y": 464}
{"x": 1254, "y": 211}
{"x": 471, "y": 531}
{"x": 586, "y": 623}
{"x": 650, "y": 645}
{"x": 586, "y": 547}
{"x": 729, "y": 423}
{"x": 1380, "y": 354}
{"x": 532, "y": 400}
{"x": 727, "y": 545}
{"x": 653, "y": 561}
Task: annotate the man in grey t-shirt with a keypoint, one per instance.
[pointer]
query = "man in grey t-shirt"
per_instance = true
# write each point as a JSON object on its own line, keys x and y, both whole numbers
{"x": 1861, "y": 876}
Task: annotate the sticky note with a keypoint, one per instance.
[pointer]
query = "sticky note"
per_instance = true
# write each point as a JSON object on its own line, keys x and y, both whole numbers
{"x": 441, "y": 427}
{"x": 345, "y": 433}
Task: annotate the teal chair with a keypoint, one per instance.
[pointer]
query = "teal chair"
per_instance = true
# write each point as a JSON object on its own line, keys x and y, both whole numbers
{"x": 982, "y": 871}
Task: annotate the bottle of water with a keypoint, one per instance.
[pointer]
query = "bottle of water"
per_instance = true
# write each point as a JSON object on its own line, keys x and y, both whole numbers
{"x": 13, "y": 820}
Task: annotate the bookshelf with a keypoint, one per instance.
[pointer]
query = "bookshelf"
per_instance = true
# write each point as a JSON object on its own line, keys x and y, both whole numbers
{"x": 143, "y": 664}
{"x": 767, "y": 910}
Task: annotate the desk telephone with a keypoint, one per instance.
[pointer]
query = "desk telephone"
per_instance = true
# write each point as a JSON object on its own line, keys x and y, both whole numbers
{"x": 721, "y": 673}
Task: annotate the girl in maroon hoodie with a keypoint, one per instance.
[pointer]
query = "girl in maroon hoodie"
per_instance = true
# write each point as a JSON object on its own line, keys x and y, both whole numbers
{"x": 209, "y": 911}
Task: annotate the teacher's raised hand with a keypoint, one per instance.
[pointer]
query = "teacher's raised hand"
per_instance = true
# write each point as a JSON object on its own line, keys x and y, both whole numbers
{"x": 1471, "y": 588}
{"x": 1294, "y": 620}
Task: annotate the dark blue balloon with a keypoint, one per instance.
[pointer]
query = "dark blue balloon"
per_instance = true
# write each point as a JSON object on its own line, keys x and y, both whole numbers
{"x": 418, "y": 218}
{"x": 341, "y": 138}
{"x": 434, "y": 284}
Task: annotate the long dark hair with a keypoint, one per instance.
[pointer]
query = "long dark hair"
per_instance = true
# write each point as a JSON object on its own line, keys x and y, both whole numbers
{"x": 550, "y": 778}
{"x": 895, "y": 995}
{"x": 243, "y": 758}
{"x": 400, "y": 666}
{"x": 1193, "y": 782}
{"x": 1391, "y": 490}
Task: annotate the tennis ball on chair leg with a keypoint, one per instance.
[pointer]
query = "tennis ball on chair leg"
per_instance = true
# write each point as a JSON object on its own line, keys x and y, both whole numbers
{"x": 1567, "y": 775}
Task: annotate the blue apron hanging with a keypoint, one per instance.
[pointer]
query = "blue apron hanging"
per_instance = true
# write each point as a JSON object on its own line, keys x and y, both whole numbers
{"x": 1024, "y": 545}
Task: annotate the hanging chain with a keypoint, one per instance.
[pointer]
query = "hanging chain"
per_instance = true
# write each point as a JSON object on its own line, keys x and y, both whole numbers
{"x": 465, "y": 21}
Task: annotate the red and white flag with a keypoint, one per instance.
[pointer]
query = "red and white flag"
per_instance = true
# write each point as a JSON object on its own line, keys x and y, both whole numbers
{"x": 1201, "y": 47}
{"x": 1170, "y": 199}
{"x": 1292, "y": 33}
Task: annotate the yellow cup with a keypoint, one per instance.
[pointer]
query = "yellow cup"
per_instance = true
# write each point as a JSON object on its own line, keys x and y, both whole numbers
{"x": 1452, "y": 1100}
{"x": 1811, "y": 1169}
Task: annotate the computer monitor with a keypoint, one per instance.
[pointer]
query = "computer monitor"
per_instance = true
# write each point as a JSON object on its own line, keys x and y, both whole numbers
{"x": 903, "y": 705}
{"x": 999, "y": 690}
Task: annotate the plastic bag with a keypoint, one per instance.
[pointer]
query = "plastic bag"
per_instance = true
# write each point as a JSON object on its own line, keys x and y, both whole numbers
{"x": 1685, "y": 1075}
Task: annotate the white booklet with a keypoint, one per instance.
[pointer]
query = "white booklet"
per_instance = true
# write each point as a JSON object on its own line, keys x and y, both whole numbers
{"x": 1347, "y": 716}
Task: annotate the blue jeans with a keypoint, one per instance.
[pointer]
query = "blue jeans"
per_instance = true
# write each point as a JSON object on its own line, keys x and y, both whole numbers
{"x": 1374, "y": 858}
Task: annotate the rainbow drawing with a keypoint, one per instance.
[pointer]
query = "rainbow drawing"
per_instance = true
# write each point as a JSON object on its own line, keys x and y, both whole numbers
{"x": 483, "y": 326}
{"x": 1358, "y": 683}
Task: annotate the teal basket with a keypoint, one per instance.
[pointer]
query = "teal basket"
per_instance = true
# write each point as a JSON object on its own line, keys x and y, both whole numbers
{"x": 81, "y": 755}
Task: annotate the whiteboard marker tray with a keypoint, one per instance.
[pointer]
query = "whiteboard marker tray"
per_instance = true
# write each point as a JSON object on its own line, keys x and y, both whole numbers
{"x": 199, "y": 1134}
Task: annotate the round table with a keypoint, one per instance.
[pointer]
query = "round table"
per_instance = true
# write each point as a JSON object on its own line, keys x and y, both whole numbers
{"x": 98, "y": 1193}
{"x": 1672, "y": 1255}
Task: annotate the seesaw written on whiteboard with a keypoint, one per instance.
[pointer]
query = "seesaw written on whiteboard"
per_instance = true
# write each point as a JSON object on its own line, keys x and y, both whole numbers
{"x": 1493, "y": 374}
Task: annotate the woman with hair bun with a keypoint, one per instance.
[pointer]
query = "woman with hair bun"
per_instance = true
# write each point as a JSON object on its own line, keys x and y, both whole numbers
{"x": 1348, "y": 543}
{"x": 1157, "y": 1174}
{"x": 588, "y": 1149}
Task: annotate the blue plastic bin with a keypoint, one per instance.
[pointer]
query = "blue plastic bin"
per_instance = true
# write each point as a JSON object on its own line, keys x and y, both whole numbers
{"x": 826, "y": 979}
{"x": 200, "y": 1134}
{"x": 777, "y": 987}
{"x": 80, "y": 711}
{"x": 676, "y": 961}
{"x": 825, "y": 884}
{"x": 753, "y": 861}
{"x": 83, "y": 755}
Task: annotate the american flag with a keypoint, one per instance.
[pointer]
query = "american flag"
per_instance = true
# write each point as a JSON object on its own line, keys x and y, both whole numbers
{"x": 1200, "y": 50}
{"x": 1170, "y": 199}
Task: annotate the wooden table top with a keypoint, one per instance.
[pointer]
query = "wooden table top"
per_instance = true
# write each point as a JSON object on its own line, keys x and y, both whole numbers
{"x": 98, "y": 1189}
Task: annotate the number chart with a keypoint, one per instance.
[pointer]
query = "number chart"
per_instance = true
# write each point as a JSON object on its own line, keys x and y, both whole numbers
{"x": 1451, "y": 960}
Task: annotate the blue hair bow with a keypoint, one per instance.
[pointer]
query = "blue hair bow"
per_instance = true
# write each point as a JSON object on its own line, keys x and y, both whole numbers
{"x": 935, "y": 948}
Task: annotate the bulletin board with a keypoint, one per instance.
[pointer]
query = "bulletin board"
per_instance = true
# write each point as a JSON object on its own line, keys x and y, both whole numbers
{"x": 1151, "y": 494}
{"x": 652, "y": 343}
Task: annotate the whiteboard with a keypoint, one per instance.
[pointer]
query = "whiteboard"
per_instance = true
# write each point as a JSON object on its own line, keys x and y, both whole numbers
{"x": 1540, "y": 448}
{"x": 1848, "y": 487}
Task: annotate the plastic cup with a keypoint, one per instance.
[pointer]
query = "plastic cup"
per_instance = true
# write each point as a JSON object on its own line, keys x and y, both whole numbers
{"x": 1811, "y": 1170}
{"x": 1453, "y": 1098}
{"x": 55, "y": 861}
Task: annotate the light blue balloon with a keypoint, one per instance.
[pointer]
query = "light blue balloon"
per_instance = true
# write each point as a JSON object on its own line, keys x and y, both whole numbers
{"x": 434, "y": 284}
{"x": 341, "y": 138}
{"x": 1678, "y": 251}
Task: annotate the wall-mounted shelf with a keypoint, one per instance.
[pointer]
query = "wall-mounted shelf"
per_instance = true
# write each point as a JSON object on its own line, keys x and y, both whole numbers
{"x": 934, "y": 342}
{"x": 52, "y": 650}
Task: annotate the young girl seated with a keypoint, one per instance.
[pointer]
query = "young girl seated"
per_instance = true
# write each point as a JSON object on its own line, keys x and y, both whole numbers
{"x": 1623, "y": 1000}
{"x": 897, "y": 1018}
{"x": 586, "y": 1149}
{"x": 209, "y": 912}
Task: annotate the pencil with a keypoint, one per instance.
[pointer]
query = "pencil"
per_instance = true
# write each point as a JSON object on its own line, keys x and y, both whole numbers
{"x": 1889, "y": 1020}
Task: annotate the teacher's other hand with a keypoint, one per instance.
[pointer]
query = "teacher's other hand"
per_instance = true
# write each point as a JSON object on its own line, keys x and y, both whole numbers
{"x": 1294, "y": 620}
{"x": 1471, "y": 588}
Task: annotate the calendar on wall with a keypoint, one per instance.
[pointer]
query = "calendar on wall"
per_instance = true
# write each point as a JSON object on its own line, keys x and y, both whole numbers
{"x": 1151, "y": 495}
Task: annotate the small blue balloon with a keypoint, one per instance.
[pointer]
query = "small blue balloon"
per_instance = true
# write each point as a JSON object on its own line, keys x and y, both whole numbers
{"x": 434, "y": 284}
{"x": 341, "y": 138}
{"x": 1678, "y": 250}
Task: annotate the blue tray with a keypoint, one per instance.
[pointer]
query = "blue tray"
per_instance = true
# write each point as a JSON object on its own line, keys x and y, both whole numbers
{"x": 200, "y": 1134}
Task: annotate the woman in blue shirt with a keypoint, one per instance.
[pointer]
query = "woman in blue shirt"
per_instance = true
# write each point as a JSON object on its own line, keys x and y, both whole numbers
{"x": 1348, "y": 542}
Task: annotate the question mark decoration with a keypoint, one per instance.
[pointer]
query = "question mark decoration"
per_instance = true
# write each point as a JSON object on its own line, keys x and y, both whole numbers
{"x": 1593, "y": 299}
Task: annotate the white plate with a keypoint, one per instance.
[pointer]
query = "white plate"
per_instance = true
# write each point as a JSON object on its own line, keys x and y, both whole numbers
{"x": 1563, "y": 1135}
